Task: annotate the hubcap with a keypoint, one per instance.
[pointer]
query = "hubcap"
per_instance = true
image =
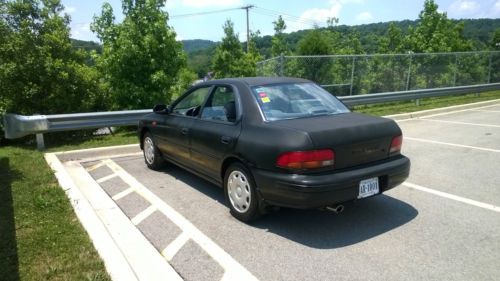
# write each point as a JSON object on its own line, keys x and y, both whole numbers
{"x": 149, "y": 150}
{"x": 238, "y": 189}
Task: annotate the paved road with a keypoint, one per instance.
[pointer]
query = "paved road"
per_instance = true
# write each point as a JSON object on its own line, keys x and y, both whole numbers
{"x": 442, "y": 224}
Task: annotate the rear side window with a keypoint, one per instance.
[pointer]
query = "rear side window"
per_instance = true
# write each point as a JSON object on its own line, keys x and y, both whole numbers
{"x": 296, "y": 100}
{"x": 221, "y": 105}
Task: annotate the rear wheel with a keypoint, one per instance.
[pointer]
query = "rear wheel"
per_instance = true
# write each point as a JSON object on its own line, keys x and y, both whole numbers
{"x": 152, "y": 155}
{"x": 240, "y": 192}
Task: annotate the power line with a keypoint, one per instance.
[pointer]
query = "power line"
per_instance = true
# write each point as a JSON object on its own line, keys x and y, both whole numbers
{"x": 205, "y": 13}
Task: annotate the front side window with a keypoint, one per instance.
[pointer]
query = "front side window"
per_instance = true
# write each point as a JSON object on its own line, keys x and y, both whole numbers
{"x": 296, "y": 100}
{"x": 221, "y": 106}
{"x": 190, "y": 105}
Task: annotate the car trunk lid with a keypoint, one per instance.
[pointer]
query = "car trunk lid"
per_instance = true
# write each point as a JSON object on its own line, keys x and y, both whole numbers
{"x": 356, "y": 138}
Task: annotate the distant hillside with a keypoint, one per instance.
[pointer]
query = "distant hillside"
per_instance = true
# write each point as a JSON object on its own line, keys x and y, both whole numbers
{"x": 478, "y": 30}
{"x": 200, "y": 52}
{"x": 191, "y": 46}
{"x": 86, "y": 45}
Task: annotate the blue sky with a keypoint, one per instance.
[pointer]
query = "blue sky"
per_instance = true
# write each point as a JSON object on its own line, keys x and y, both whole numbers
{"x": 298, "y": 14}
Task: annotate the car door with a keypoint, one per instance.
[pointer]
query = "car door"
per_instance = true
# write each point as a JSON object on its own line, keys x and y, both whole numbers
{"x": 215, "y": 133}
{"x": 173, "y": 133}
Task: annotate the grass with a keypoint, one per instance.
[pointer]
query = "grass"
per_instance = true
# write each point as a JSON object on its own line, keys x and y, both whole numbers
{"x": 40, "y": 236}
{"x": 428, "y": 103}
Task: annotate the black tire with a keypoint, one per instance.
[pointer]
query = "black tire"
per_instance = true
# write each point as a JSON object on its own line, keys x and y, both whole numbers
{"x": 245, "y": 205}
{"x": 154, "y": 160}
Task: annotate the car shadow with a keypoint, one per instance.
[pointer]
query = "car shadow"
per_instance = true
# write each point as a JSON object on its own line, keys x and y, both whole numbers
{"x": 9, "y": 262}
{"x": 360, "y": 220}
{"x": 207, "y": 188}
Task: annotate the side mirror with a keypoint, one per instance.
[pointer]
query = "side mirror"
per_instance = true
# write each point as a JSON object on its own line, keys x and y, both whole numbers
{"x": 161, "y": 109}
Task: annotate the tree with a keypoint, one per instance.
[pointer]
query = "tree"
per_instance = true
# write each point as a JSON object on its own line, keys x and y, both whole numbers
{"x": 40, "y": 71}
{"x": 495, "y": 40}
{"x": 279, "y": 45}
{"x": 229, "y": 59}
{"x": 313, "y": 44}
{"x": 141, "y": 59}
{"x": 392, "y": 42}
{"x": 434, "y": 32}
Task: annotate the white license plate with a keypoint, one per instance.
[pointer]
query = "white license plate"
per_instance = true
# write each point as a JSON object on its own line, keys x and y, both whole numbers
{"x": 368, "y": 187}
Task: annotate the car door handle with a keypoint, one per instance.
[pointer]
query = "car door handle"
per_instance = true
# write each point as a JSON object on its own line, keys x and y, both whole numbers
{"x": 225, "y": 139}
{"x": 184, "y": 131}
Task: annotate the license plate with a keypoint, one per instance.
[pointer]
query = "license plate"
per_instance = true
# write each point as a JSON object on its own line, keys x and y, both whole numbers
{"x": 368, "y": 187}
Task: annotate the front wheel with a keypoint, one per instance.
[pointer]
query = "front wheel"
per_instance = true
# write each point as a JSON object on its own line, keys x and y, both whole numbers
{"x": 152, "y": 155}
{"x": 240, "y": 193}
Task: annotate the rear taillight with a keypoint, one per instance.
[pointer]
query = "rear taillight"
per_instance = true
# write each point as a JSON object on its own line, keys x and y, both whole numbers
{"x": 306, "y": 159}
{"x": 396, "y": 144}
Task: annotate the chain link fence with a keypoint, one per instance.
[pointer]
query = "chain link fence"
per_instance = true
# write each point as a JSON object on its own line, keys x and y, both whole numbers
{"x": 345, "y": 75}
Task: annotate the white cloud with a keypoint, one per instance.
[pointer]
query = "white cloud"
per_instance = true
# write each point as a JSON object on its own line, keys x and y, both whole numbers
{"x": 352, "y": 1}
{"x": 465, "y": 8}
{"x": 82, "y": 31}
{"x": 474, "y": 9}
{"x": 211, "y": 3}
{"x": 315, "y": 16}
{"x": 495, "y": 12}
{"x": 69, "y": 9}
{"x": 364, "y": 17}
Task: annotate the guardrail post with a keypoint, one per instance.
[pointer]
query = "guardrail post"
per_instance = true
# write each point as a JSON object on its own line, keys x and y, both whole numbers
{"x": 40, "y": 143}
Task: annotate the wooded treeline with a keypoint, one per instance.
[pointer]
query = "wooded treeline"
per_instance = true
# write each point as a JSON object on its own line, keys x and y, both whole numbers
{"x": 139, "y": 63}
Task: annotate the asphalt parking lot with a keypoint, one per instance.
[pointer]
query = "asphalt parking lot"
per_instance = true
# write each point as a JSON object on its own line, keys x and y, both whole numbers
{"x": 442, "y": 224}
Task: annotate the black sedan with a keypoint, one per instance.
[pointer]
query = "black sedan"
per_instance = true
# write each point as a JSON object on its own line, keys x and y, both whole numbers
{"x": 275, "y": 142}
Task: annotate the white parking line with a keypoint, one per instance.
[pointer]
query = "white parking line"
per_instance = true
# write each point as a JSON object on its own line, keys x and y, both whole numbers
{"x": 454, "y": 197}
{"x": 122, "y": 194}
{"x": 174, "y": 247}
{"x": 421, "y": 114}
{"x": 480, "y": 110}
{"x": 143, "y": 215}
{"x": 96, "y": 166}
{"x": 233, "y": 269}
{"x": 460, "y": 123}
{"x": 108, "y": 177}
{"x": 452, "y": 144}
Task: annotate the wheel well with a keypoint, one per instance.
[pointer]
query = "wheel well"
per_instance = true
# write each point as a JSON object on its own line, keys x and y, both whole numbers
{"x": 143, "y": 132}
{"x": 227, "y": 162}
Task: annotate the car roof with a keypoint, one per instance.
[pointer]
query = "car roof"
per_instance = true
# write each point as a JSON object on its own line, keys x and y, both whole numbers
{"x": 259, "y": 81}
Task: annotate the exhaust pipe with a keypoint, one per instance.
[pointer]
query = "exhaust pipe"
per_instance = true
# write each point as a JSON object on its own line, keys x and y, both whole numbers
{"x": 336, "y": 209}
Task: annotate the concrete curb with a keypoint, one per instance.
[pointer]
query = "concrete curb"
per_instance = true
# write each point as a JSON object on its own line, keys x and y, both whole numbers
{"x": 423, "y": 113}
{"x": 126, "y": 253}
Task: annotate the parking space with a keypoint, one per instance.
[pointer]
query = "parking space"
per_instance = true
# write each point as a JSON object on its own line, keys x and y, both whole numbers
{"x": 443, "y": 223}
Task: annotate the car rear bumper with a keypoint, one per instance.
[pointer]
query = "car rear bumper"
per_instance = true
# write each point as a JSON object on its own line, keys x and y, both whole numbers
{"x": 320, "y": 190}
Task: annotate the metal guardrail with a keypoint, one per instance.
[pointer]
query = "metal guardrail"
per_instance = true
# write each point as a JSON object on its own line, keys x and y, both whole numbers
{"x": 16, "y": 126}
{"x": 417, "y": 94}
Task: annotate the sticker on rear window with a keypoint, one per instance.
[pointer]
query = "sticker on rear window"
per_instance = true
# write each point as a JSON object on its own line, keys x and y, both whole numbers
{"x": 265, "y": 99}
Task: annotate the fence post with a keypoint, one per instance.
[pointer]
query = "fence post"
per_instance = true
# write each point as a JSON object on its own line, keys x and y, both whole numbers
{"x": 40, "y": 143}
{"x": 455, "y": 71}
{"x": 352, "y": 74}
{"x": 489, "y": 69}
{"x": 282, "y": 65}
{"x": 409, "y": 72}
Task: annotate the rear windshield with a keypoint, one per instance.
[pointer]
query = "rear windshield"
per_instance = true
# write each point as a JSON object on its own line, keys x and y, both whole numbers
{"x": 296, "y": 100}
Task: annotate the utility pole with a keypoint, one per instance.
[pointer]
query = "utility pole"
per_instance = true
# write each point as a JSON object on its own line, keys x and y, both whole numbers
{"x": 247, "y": 8}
